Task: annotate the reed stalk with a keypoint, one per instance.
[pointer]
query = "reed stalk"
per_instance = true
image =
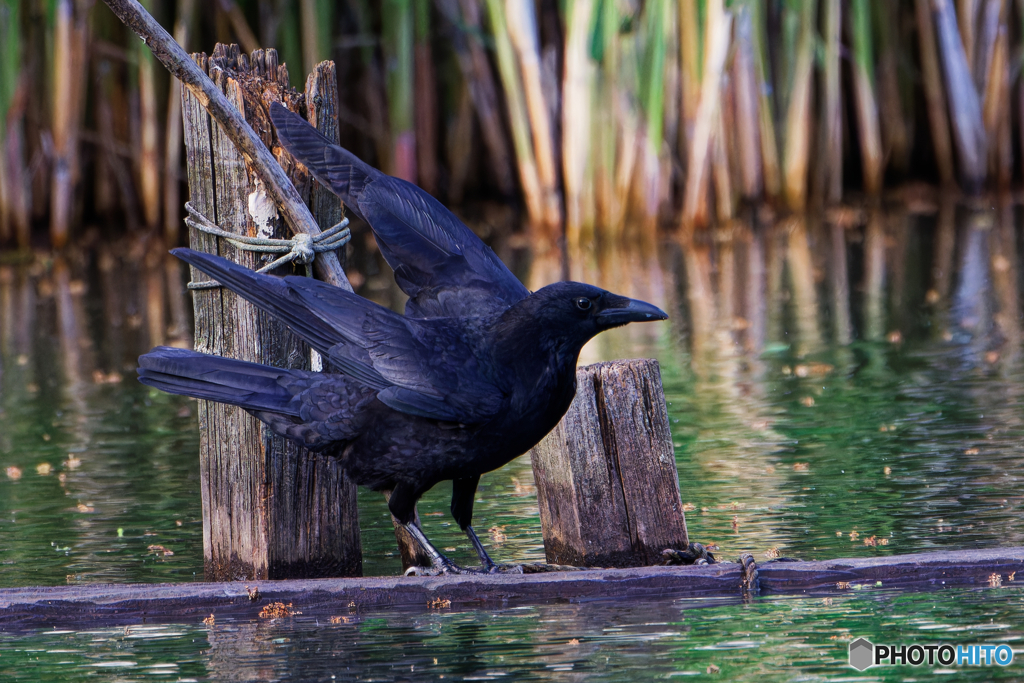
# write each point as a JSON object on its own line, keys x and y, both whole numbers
{"x": 239, "y": 25}
{"x": 832, "y": 110}
{"x": 745, "y": 96}
{"x": 173, "y": 138}
{"x": 521, "y": 21}
{"x": 672, "y": 102}
{"x": 989, "y": 23}
{"x": 149, "y": 134}
{"x": 372, "y": 84}
{"x": 64, "y": 116}
{"x": 518, "y": 117}
{"x": 894, "y": 128}
{"x": 316, "y": 16}
{"x": 108, "y": 93}
{"x": 464, "y": 17}
{"x": 1020, "y": 81}
{"x": 689, "y": 71}
{"x": 720, "y": 164}
{"x": 652, "y": 102}
{"x": 397, "y": 16}
{"x": 966, "y": 17}
{"x": 608, "y": 209}
{"x": 934, "y": 91}
{"x": 965, "y": 108}
{"x": 5, "y": 200}
{"x": 10, "y": 62}
{"x": 995, "y": 89}
{"x": 766, "y": 111}
{"x": 289, "y": 37}
{"x": 578, "y": 130}
{"x": 628, "y": 127}
{"x": 865, "y": 102}
{"x": 426, "y": 100}
{"x": 716, "y": 50}
{"x": 798, "y": 110}
{"x": 459, "y": 147}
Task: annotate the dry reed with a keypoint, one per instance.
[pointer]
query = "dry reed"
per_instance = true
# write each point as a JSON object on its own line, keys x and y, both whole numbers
{"x": 607, "y": 116}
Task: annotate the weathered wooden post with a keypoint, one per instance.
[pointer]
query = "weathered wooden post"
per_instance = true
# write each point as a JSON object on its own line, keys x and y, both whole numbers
{"x": 270, "y": 508}
{"x": 606, "y": 476}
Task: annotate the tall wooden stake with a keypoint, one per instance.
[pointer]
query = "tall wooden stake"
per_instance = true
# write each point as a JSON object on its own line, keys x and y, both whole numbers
{"x": 270, "y": 508}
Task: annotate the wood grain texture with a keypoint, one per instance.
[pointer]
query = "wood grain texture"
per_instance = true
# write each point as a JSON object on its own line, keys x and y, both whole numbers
{"x": 607, "y": 483}
{"x": 270, "y": 508}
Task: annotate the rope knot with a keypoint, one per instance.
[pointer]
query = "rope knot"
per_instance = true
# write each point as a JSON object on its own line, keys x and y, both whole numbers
{"x": 303, "y": 248}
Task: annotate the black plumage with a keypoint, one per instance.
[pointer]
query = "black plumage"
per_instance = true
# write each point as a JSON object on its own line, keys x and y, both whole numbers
{"x": 475, "y": 373}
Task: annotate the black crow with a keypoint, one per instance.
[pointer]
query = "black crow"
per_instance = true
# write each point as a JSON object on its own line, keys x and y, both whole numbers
{"x": 475, "y": 374}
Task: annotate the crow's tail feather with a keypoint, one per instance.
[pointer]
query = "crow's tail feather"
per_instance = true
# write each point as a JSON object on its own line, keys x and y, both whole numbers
{"x": 248, "y": 385}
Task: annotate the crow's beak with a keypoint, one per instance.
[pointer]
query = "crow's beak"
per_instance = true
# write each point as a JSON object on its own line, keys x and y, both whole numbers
{"x": 625, "y": 310}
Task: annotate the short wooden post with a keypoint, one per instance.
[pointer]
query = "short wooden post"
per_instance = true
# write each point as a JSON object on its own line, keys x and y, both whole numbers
{"x": 606, "y": 476}
{"x": 270, "y": 509}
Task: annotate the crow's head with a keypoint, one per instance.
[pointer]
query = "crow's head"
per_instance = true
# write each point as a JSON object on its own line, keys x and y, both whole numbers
{"x": 573, "y": 312}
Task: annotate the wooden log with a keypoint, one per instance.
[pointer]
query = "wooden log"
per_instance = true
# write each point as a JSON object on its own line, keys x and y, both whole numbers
{"x": 96, "y": 604}
{"x": 606, "y": 476}
{"x": 270, "y": 508}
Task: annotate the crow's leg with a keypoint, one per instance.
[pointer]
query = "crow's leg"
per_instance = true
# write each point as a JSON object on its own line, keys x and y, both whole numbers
{"x": 485, "y": 559}
{"x": 439, "y": 564}
{"x": 463, "y": 493}
{"x": 402, "y": 504}
{"x": 412, "y": 553}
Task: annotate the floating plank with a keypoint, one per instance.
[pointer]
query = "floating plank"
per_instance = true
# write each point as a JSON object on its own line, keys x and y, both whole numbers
{"x": 89, "y": 605}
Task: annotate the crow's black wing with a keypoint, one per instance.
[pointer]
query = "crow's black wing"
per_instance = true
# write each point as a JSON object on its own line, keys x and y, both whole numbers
{"x": 425, "y": 367}
{"x": 439, "y": 262}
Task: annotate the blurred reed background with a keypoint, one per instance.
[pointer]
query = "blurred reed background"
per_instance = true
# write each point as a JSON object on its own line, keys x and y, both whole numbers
{"x": 605, "y": 118}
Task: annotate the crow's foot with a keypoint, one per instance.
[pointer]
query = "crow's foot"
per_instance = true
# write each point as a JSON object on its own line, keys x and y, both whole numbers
{"x": 444, "y": 568}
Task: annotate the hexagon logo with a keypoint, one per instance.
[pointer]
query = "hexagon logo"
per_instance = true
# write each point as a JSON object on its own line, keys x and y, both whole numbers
{"x": 862, "y": 652}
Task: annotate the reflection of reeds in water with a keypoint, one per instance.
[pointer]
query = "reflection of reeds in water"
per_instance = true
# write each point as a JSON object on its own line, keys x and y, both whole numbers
{"x": 874, "y": 276}
{"x": 136, "y": 305}
{"x": 812, "y": 286}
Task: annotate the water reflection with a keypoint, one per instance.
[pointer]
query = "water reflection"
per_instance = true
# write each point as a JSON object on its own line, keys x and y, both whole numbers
{"x": 832, "y": 380}
{"x": 788, "y": 638}
{"x": 95, "y": 471}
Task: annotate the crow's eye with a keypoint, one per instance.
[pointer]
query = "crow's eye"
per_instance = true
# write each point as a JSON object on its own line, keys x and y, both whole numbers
{"x": 583, "y": 303}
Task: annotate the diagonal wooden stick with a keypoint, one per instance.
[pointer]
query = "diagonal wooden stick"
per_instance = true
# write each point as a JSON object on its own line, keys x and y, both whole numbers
{"x": 277, "y": 184}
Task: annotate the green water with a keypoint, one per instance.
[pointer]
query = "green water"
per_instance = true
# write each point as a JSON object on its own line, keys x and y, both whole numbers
{"x": 772, "y": 639}
{"x": 825, "y": 402}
